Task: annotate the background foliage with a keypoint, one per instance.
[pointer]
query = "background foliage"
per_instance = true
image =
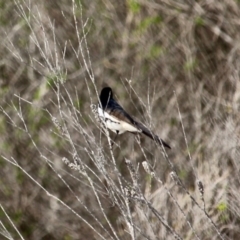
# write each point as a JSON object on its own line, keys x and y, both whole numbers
{"x": 175, "y": 65}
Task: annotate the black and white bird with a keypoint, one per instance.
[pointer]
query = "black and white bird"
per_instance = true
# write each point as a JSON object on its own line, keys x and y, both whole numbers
{"x": 118, "y": 120}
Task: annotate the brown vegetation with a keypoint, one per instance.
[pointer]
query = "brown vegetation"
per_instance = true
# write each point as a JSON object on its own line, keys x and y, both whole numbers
{"x": 175, "y": 65}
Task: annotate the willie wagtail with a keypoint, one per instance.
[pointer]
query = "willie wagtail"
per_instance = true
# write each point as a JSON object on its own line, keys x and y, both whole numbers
{"x": 118, "y": 120}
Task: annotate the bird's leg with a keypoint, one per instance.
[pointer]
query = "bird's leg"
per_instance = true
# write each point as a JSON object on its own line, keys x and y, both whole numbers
{"x": 138, "y": 138}
{"x": 114, "y": 138}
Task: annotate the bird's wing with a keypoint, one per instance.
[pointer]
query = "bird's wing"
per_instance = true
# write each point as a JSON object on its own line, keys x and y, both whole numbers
{"x": 118, "y": 112}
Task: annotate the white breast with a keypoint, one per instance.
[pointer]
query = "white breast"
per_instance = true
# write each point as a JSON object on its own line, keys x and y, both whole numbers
{"x": 115, "y": 124}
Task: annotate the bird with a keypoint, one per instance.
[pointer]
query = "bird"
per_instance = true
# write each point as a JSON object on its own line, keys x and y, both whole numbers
{"x": 116, "y": 119}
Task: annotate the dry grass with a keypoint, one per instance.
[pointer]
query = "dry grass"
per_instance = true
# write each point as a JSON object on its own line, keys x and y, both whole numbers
{"x": 174, "y": 65}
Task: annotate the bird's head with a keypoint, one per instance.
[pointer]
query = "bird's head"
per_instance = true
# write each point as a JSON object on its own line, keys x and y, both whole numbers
{"x": 105, "y": 95}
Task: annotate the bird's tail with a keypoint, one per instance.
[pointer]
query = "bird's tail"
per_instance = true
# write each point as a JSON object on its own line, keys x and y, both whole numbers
{"x": 151, "y": 135}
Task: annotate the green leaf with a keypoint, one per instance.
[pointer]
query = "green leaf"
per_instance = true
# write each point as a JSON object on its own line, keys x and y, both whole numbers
{"x": 190, "y": 65}
{"x": 199, "y": 21}
{"x": 222, "y": 207}
{"x": 133, "y": 6}
{"x": 147, "y": 22}
{"x": 155, "y": 51}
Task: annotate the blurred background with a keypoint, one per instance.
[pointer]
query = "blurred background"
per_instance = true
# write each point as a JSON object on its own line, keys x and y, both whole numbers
{"x": 175, "y": 65}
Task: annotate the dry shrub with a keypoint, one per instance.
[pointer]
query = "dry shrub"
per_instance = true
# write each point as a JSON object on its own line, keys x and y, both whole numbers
{"x": 172, "y": 64}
